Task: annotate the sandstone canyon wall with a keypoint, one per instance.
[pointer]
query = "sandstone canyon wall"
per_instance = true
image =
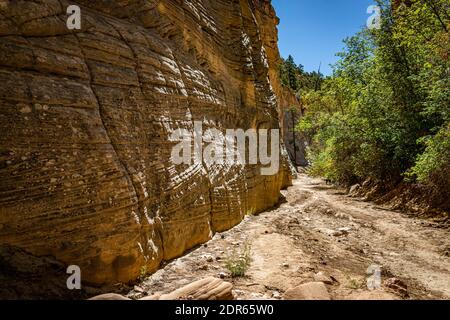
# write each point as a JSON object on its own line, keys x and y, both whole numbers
{"x": 287, "y": 101}
{"x": 86, "y": 175}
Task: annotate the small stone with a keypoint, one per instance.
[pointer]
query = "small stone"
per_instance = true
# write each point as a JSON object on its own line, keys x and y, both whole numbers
{"x": 344, "y": 230}
{"x": 355, "y": 188}
{"x": 138, "y": 289}
{"x": 285, "y": 265}
{"x": 24, "y": 108}
{"x": 209, "y": 259}
{"x": 394, "y": 254}
{"x": 276, "y": 295}
{"x": 397, "y": 285}
{"x": 222, "y": 275}
{"x": 308, "y": 291}
{"x": 322, "y": 277}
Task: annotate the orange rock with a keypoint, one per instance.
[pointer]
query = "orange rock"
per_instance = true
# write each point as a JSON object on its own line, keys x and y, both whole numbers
{"x": 85, "y": 122}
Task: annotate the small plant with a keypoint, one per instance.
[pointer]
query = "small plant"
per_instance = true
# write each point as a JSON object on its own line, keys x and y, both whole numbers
{"x": 143, "y": 272}
{"x": 354, "y": 283}
{"x": 238, "y": 263}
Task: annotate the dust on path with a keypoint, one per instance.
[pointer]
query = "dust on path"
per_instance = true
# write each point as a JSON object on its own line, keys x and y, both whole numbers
{"x": 290, "y": 244}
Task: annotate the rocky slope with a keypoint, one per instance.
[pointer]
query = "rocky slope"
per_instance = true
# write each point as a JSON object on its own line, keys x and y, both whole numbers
{"x": 86, "y": 171}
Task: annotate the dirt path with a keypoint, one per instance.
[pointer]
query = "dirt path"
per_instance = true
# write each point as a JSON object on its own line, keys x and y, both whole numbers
{"x": 321, "y": 229}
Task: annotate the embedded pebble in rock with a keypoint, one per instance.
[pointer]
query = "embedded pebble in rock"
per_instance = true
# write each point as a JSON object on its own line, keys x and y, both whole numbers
{"x": 222, "y": 275}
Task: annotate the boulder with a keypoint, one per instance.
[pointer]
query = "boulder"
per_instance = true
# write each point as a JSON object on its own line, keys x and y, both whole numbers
{"x": 322, "y": 277}
{"x": 110, "y": 296}
{"x": 354, "y": 189}
{"x": 308, "y": 291}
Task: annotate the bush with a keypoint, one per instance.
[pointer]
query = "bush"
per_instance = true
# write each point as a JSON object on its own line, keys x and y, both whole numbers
{"x": 238, "y": 263}
{"x": 433, "y": 166}
{"x": 384, "y": 113}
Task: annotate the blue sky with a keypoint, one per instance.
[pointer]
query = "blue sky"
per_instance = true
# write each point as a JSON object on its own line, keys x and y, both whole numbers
{"x": 312, "y": 30}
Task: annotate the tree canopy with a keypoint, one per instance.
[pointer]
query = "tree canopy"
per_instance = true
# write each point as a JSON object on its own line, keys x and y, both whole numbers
{"x": 384, "y": 114}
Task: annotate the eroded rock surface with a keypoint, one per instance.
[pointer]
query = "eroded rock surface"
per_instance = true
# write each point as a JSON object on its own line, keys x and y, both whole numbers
{"x": 85, "y": 120}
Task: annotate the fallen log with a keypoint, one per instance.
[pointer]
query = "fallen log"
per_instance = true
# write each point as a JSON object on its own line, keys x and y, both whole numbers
{"x": 206, "y": 289}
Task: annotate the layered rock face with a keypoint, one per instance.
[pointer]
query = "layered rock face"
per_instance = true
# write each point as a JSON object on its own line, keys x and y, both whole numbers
{"x": 294, "y": 141}
{"x": 287, "y": 101}
{"x": 86, "y": 116}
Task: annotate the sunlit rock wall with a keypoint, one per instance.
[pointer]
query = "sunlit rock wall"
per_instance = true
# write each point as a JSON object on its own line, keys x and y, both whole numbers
{"x": 86, "y": 173}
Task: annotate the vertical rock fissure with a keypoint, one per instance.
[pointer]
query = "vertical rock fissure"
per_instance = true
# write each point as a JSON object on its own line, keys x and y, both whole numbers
{"x": 101, "y": 116}
{"x": 140, "y": 203}
{"x": 210, "y": 186}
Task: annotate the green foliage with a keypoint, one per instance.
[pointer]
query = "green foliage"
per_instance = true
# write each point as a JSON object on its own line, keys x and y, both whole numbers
{"x": 355, "y": 283}
{"x": 143, "y": 273}
{"x": 385, "y": 112}
{"x": 293, "y": 76}
{"x": 435, "y": 161}
{"x": 238, "y": 263}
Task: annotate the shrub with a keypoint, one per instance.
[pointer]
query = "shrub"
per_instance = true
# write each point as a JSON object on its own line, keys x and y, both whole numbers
{"x": 238, "y": 263}
{"x": 433, "y": 165}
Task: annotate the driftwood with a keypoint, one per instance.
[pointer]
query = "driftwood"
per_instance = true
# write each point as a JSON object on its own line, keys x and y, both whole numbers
{"x": 206, "y": 289}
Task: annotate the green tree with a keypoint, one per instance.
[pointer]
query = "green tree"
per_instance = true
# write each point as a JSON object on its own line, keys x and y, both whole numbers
{"x": 384, "y": 114}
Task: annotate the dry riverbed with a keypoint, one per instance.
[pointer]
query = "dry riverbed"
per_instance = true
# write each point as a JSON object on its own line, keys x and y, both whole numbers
{"x": 321, "y": 234}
